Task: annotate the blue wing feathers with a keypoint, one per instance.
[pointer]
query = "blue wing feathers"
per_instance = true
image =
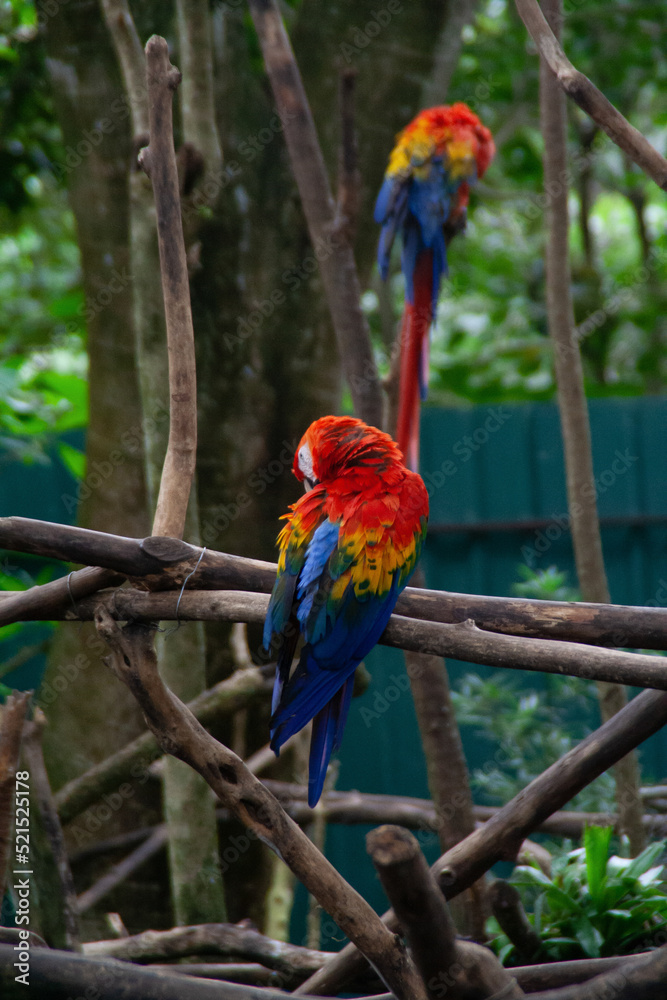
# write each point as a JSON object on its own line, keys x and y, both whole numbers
{"x": 338, "y": 634}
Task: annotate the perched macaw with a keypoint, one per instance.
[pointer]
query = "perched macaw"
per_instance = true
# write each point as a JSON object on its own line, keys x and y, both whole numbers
{"x": 424, "y": 197}
{"x": 347, "y": 550}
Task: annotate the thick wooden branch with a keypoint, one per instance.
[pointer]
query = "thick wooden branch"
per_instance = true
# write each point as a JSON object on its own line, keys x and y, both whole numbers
{"x": 501, "y": 837}
{"x": 158, "y": 159}
{"x": 419, "y": 905}
{"x": 179, "y": 733}
{"x": 160, "y": 563}
{"x": 51, "y": 600}
{"x": 424, "y": 917}
{"x": 589, "y": 98}
{"x": 334, "y": 253}
{"x": 642, "y": 979}
{"x": 463, "y": 641}
{"x": 12, "y": 714}
{"x": 59, "y": 975}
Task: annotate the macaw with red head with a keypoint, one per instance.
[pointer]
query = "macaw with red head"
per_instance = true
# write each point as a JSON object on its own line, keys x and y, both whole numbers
{"x": 424, "y": 197}
{"x": 348, "y": 549}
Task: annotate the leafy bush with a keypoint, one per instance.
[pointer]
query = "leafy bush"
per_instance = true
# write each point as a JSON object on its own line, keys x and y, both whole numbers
{"x": 593, "y": 905}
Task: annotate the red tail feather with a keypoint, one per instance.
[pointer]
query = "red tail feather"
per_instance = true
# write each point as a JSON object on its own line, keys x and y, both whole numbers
{"x": 414, "y": 332}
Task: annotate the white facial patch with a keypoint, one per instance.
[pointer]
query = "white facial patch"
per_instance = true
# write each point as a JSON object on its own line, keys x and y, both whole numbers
{"x": 306, "y": 466}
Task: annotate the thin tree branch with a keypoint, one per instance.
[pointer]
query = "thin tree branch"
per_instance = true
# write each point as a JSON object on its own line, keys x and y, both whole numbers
{"x": 510, "y": 914}
{"x": 501, "y": 837}
{"x": 119, "y": 872}
{"x": 179, "y": 733}
{"x": 227, "y": 940}
{"x": 159, "y": 161}
{"x": 575, "y": 425}
{"x": 589, "y": 98}
{"x": 237, "y": 691}
{"x": 636, "y": 980}
{"x": 130, "y": 54}
{"x": 421, "y": 814}
{"x": 12, "y": 715}
{"x": 43, "y": 797}
{"x": 337, "y": 265}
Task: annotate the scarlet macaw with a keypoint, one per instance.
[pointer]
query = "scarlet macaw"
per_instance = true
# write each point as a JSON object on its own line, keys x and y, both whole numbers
{"x": 424, "y": 196}
{"x": 347, "y": 550}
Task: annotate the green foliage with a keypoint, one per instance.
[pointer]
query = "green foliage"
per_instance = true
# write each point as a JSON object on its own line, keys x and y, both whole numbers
{"x": 489, "y": 343}
{"x": 531, "y": 722}
{"x": 548, "y": 584}
{"x": 41, "y": 396}
{"x": 593, "y": 905}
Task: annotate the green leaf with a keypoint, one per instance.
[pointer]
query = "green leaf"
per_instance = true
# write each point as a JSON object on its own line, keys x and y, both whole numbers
{"x": 72, "y": 459}
{"x": 645, "y": 860}
{"x": 596, "y": 846}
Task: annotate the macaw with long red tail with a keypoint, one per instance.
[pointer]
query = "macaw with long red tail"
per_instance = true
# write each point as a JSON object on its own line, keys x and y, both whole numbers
{"x": 424, "y": 197}
{"x": 347, "y": 550}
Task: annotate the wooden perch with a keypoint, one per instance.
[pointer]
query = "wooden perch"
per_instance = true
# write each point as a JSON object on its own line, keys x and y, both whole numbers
{"x": 420, "y": 908}
{"x": 179, "y": 733}
{"x": 161, "y": 563}
{"x": 158, "y": 159}
{"x": 334, "y": 253}
{"x": 501, "y": 837}
{"x": 51, "y": 600}
{"x": 589, "y": 98}
{"x": 463, "y": 641}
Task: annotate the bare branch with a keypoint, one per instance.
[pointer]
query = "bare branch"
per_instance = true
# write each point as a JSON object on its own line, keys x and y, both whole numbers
{"x": 575, "y": 425}
{"x": 159, "y": 161}
{"x": 12, "y": 714}
{"x": 40, "y": 787}
{"x": 589, "y": 98}
{"x": 179, "y": 733}
{"x": 337, "y": 265}
{"x": 463, "y": 641}
{"x": 162, "y": 564}
{"x": 510, "y": 914}
{"x": 634, "y": 980}
{"x": 130, "y": 54}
